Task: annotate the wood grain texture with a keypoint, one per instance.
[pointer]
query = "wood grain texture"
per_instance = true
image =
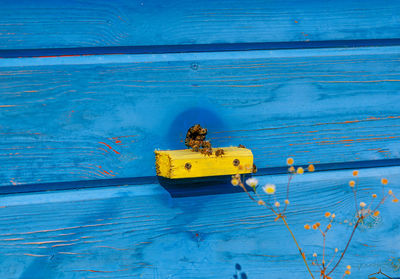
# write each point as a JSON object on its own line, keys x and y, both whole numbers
{"x": 140, "y": 232}
{"x": 74, "y": 122}
{"x": 54, "y": 24}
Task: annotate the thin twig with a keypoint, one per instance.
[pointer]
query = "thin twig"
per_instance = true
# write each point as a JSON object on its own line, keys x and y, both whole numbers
{"x": 327, "y": 227}
{"x": 380, "y": 272}
{"x": 323, "y": 253}
{"x": 355, "y": 188}
{"x": 316, "y": 261}
{"x": 381, "y": 202}
{"x": 331, "y": 260}
{"x": 287, "y": 190}
{"x": 347, "y": 245}
{"x": 244, "y": 189}
{"x": 298, "y": 247}
{"x": 279, "y": 215}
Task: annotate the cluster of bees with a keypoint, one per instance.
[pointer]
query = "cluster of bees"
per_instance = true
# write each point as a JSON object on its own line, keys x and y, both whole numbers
{"x": 196, "y": 140}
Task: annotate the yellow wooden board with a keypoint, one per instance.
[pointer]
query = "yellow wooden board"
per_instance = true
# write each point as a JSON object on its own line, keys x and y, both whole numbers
{"x": 187, "y": 163}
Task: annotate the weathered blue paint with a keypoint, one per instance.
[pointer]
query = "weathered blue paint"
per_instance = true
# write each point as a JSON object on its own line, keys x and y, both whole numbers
{"x": 141, "y": 232}
{"x": 86, "y": 118}
{"x": 89, "y": 89}
{"x": 64, "y": 24}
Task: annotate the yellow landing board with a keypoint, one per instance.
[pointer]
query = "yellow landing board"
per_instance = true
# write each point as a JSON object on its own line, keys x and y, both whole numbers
{"x": 186, "y": 163}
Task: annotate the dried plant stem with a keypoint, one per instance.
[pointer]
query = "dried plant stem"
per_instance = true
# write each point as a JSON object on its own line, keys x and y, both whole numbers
{"x": 331, "y": 260}
{"x": 323, "y": 253}
{"x": 347, "y": 245}
{"x": 355, "y": 199}
{"x": 297, "y": 244}
{"x": 381, "y": 202}
{"x": 280, "y": 216}
{"x": 287, "y": 190}
{"x": 380, "y": 272}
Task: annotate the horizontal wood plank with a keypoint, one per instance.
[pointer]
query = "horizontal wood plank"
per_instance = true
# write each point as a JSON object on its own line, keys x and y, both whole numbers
{"x": 63, "y": 122}
{"x": 70, "y": 24}
{"x": 141, "y": 232}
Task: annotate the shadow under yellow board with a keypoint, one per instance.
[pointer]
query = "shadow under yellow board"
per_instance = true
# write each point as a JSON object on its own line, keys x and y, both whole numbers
{"x": 186, "y": 163}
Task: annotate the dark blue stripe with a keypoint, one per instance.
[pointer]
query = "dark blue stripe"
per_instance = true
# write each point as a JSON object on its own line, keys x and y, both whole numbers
{"x": 337, "y": 166}
{"x": 159, "y": 49}
{"x": 186, "y": 187}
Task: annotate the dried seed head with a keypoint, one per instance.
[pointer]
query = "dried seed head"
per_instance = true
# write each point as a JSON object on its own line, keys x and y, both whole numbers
{"x": 355, "y": 173}
{"x": 307, "y": 226}
{"x": 336, "y": 250}
{"x": 333, "y": 215}
{"x": 374, "y": 196}
{"x": 363, "y": 204}
{"x": 352, "y": 183}
{"x": 384, "y": 181}
{"x": 277, "y": 204}
{"x": 261, "y": 202}
{"x": 235, "y": 182}
{"x": 311, "y": 168}
{"x": 287, "y": 201}
{"x": 314, "y": 255}
{"x": 314, "y": 227}
{"x": 327, "y": 214}
{"x": 300, "y": 170}
{"x": 289, "y": 161}
{"x": 347, "y": 272}
{"x": 390, "y": 192}
{"x": 376, "y": 213}
{"x": 348, "y": 267}
{"x": 291, "y": 169}
{"x": 395, "y": 200}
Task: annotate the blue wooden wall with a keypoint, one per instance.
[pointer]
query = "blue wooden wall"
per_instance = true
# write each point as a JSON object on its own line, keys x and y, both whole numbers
{"x": 58, "y": 24}
{"x": 88, "y": 90}
{"x": 71, "y": 117}
{"x": 66, "y": 122}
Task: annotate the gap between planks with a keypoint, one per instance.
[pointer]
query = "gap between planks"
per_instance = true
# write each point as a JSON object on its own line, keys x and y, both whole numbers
{"x": 187, "y": 48}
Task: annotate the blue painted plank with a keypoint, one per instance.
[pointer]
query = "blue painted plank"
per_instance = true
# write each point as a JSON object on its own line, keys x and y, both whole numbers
{"x": 64, "y": 24}
{"x": 101, "y": 117}
{"x": 141, "y": 232}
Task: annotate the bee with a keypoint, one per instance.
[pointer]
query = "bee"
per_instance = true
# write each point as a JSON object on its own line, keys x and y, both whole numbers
{"x": 241, "y": 146}
{"x": 206, "y": 151}
{"x": 219, "y": 152}
{"x": 254, "y": 170}
{"x": 206, "y": 144}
